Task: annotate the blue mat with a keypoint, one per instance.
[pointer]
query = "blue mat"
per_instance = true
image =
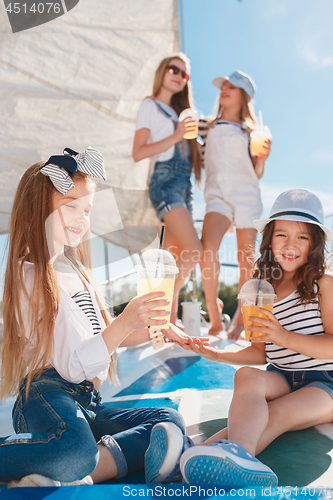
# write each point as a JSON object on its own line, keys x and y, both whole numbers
{"x": 298, "y": 458}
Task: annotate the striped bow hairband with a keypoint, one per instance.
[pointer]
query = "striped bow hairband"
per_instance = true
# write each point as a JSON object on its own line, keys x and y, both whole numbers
{"x": 60, "y": 168}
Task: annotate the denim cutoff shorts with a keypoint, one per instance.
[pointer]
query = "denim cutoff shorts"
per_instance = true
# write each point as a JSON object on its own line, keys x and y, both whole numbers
{"x": 308, "y": 378}
{"x": 170, "y": 185}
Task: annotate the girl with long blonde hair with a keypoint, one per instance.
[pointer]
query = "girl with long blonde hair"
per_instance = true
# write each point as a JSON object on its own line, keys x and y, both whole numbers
{"x": 159, "y": 136}
{"x": 232, "y": 191}
{"x": 59, "y": 340}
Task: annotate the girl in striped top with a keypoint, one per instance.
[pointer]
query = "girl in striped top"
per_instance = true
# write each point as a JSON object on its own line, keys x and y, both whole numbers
{"x": 296, "y": 390}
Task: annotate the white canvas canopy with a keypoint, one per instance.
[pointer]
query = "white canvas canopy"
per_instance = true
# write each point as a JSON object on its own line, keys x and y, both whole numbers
{"x": 78, "y": 81}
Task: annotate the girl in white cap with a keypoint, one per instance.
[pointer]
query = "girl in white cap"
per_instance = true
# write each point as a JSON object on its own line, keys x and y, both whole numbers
{"x": 296, "y": 390}
{"x": 232, "y": 191}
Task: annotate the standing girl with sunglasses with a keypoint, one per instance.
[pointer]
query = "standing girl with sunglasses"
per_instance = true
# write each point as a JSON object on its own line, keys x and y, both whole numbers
{"x": 232, "y": 191}
{"x": 159, "y": 136}
{"x": 59, "y": 339}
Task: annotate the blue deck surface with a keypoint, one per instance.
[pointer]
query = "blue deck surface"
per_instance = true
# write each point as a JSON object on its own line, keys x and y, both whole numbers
{"x": 202, "y": 391}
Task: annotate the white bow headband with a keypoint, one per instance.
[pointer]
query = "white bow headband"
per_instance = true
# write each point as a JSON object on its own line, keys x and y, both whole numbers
{"x": 60, "y": 168}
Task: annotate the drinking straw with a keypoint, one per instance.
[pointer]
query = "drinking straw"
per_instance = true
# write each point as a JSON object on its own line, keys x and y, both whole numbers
{"x": 162, "y": 234}
{"x": 161, "y": 243}
{"x": 260, "y": 275}
{"x": 261, "y": 122}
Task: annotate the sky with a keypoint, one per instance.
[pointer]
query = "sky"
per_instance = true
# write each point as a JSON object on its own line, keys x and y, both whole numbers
{"x": 287, "y": 48}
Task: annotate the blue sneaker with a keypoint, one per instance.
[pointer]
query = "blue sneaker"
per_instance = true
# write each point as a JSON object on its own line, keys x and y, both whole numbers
{"x": 167, "y": 443}
{"x": 224, "y": 463}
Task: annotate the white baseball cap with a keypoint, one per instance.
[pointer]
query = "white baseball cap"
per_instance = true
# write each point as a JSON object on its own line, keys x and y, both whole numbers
{"x": 299, "y": 205}
{"x": 240, "y": 79}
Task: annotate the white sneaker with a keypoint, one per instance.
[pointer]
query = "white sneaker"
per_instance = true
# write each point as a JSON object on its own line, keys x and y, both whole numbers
{"x": 167, "y": 443}
{"x": 224, "y": 463}
{"x": 86, "y": 480}
{"x": 34, "y": 480}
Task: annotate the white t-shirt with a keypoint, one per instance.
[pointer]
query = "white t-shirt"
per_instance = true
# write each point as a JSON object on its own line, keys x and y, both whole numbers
{"x": 159, "y": 124}
{"x": 77, "y": 353}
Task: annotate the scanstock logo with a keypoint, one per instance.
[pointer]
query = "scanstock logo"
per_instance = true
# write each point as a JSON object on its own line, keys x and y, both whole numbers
{"x": 25, "y": 14}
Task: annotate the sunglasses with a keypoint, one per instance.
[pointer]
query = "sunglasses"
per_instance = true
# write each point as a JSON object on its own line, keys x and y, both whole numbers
{"x": 174, "y": 70}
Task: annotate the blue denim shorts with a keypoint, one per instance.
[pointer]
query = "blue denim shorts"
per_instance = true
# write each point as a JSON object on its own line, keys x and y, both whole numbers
{"x": 171, "y": 187}
{"x": 308, "y": 378}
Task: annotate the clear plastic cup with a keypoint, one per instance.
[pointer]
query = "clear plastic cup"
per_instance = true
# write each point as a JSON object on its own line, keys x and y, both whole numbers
{"x": 190, "y": 113}
{"x": 255, "y": 293}
{"x": 258, "y": 138}
{"x": 156, "y": 272}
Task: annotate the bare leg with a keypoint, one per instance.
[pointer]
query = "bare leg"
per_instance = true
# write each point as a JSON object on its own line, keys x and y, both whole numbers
{"x": 106, "y": 467}
{"x": 249, "y": 413}
{"x": 292, "y": 412}
{"x": 296, "y": 411}
{"x": 171, "y": 244}
{"x": 245, "y": 242}
{"x": 179, "y": 224}
{"x": 214, "y": 228}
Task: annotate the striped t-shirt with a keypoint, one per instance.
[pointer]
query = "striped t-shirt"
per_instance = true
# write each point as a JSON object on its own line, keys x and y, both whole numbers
{"x": 300, "y": 318}
{"x": 84, "y": 300}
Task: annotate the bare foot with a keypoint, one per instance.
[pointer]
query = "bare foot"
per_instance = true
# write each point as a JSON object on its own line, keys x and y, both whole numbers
{"x": 237, "y": 325}
{"x": 215, "y": 309}
{"x": 235, "y": 332}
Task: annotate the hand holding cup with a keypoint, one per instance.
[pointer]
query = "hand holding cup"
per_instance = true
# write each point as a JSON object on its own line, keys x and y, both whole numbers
{"x": 190, "y": 118}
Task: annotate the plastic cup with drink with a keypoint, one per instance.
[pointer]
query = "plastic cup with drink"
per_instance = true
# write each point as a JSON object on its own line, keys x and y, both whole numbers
{"x": 259, "y": 137}
{"x": 191, "y": 124}
{"x": 253, "y": 294}
{"x": 156, "y": 273}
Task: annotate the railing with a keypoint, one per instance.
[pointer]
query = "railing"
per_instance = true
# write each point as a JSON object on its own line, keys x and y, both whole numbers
{"x": 109, "y": 282}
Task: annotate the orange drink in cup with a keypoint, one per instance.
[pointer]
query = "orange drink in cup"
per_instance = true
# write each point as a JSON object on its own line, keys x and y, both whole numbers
{"x": 258, "y": 138}
{"x": 253, "y": 294}
{"x": 156, "y": 273}
{"x": 191, "y": 123}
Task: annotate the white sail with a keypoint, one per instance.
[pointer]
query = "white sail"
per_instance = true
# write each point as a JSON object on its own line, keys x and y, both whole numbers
{"x": 78, "y": 81}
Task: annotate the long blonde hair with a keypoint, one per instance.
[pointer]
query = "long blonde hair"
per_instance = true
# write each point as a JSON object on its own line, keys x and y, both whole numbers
{"x": 247, "y": 115}
{"x": 179, "y": 102}
{"x": 28, "y": 243}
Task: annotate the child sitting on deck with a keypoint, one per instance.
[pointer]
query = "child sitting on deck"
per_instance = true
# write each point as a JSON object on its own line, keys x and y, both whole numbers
{"x": 296, "y": 390}
{"x": 59, "y": 339}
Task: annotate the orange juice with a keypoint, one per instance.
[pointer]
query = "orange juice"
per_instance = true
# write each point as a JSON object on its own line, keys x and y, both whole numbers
{"x": 166, "y": 285}
{"x": 252, "y": 311}
{"x": 257, "y": 145}
{"x": 192, "y": 134}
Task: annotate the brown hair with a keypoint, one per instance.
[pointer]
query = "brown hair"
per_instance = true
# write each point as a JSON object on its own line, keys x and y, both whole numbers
{"x": 307, "y": 275}
{"x": 179, "y": 102}
{"x": 247, "y": 114}
{"x": 28, "y": 243}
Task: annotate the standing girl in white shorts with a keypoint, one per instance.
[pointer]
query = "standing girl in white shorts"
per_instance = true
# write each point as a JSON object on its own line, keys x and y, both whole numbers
{"x": 159, "y": 136}
{"x": 232, "y": 191}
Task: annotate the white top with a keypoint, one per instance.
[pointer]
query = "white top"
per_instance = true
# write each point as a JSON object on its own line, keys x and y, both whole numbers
{"x": 77, "y": 353}
{"x": 301, "y": 318}
{"x": 227, "y": 159}
{"x": 159, "y": 124}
